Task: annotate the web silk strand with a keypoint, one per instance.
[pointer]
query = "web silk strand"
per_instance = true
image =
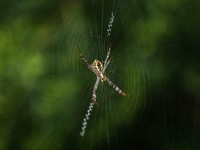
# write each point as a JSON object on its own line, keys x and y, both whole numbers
{"x": 110, "y": 24}
{"x": 87, "y": 115}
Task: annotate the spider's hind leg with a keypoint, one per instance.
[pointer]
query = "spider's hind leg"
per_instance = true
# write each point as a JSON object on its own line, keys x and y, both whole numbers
{"x": 116, "y": 88}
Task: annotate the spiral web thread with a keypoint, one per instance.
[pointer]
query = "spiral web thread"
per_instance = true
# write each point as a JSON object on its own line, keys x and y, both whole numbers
{"x": 84, "y": 125}
{"x": 110, "y": 24}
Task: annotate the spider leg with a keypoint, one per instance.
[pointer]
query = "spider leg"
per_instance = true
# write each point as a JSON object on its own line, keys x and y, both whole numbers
{"x": 108, "y": 54}
{"x": 84, "y": 60}
{"x": 94, "y": 96}
{"x": 87, "y": 64}
{"x": 116, "y": 87}
{"x": 98, "y": 74}
{"x": 105, "y": 66}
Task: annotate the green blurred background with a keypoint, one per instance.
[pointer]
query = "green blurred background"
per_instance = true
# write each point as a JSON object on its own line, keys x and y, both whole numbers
{"x": 45, "y": 89}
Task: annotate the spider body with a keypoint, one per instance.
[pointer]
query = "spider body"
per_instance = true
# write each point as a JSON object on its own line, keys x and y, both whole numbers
{"x": 98, "y": 69}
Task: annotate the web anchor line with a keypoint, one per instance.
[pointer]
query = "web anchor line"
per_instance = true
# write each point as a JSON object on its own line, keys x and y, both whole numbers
{"x": 84, "y": 124}
{"x": 110, "y": 24}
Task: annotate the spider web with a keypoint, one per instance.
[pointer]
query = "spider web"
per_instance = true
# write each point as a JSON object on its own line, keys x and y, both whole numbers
{"x": 138, "y": 26}
{"x": 127, "y": 70}
{"x": 45, "y": 89}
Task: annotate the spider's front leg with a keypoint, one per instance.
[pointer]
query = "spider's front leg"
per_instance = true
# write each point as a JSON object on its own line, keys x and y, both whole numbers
{"x": 84, "y": 60}
{"x": 108, "y": 54}
{"x": 106, "y": 66}
{"x": 87, "y": 64}
{"x": 106, "y": 62}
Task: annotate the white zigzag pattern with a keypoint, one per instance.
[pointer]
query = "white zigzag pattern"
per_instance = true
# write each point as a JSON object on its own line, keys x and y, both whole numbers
{"x": 84, "y": 124}
{"x": 110, "y": 24}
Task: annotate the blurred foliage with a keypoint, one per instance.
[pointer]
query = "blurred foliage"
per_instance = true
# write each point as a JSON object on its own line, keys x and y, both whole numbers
{"x": 43, "y": 97}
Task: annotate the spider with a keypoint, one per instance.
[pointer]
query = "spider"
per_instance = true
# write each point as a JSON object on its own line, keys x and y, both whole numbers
{"x": 98, "y": 69}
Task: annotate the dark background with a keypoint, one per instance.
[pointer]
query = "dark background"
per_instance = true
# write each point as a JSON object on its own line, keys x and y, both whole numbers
{"x": 45, "y": 89}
